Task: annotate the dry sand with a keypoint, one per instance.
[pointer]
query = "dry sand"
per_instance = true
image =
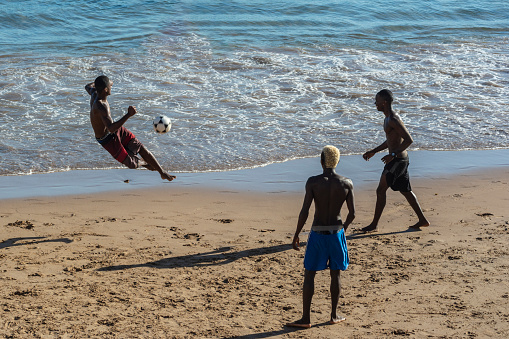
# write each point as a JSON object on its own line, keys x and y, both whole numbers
{"x": 188, "y": 263}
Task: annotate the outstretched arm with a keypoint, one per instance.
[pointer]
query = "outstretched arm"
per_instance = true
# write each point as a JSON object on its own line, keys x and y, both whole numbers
{"x": 113, "y": 126}
{"x": 303, "y": 215}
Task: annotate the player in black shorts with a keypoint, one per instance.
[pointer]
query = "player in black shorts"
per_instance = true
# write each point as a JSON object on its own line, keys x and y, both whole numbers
{"x": 395, "y": 173}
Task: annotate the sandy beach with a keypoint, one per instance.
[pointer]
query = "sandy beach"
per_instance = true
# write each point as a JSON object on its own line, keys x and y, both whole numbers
{"x": 254, "y": 90}
{"x": 188, "y": 262}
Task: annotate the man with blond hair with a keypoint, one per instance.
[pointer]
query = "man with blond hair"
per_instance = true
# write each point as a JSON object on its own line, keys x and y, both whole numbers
{"x": 326, "y": 246}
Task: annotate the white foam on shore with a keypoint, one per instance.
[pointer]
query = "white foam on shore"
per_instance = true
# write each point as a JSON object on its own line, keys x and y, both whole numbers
{"x": 287, "y": 177}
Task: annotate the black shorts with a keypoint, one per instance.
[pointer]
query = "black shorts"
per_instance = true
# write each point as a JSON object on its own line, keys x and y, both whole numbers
{"x": 396, "y": 174}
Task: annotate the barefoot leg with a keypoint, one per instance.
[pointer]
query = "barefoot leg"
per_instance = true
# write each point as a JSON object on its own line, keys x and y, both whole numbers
{"x": 335, "y": 289}
{"x": 153, "y": 164}
{"x": 381, "y": 199}
{"x": 307, "y": 295}
{"x": 412, "y": 200}
{"x": 300, "y": 324}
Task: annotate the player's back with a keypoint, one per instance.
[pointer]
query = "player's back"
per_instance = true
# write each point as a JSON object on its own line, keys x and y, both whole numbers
{"x": 329, "y": 193}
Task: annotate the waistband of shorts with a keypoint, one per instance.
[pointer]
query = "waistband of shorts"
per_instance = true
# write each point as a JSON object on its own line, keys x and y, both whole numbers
{"x": 400, "y": 159}
{"x": 105, "y": 138}
{"x": 331, "y": 229}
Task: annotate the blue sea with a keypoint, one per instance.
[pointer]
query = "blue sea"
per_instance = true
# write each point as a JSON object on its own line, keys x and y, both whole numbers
{"x": 249, "y": 83}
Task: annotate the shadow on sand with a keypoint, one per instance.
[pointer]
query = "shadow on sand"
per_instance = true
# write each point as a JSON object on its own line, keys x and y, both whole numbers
{"x": 221, "y": 256}
{"x": 36, "y": 240}
{"x": 360, "y": 235}
{"x": 276, "y": 333}
{"x": 226, "y": 255}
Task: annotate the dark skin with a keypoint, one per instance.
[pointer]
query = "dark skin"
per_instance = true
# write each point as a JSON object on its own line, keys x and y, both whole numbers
{"x": 397, "y": 141}
{"x": 102, "y": 123}
{"x": 329, "y": 191}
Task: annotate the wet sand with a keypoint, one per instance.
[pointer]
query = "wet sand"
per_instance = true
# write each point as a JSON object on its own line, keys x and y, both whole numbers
{"x": 216, "y": 262}
{"x": 286, "y": 177}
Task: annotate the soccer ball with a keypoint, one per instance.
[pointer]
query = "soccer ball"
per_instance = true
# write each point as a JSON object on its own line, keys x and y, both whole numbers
{"x": 162, "y": 124}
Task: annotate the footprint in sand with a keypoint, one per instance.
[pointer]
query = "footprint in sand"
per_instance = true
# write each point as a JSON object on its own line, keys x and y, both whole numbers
{"x": 25, "y": 293}
{"x": 224, "y": 221}
{"x": 192, "y": 236}
{"x": 486, "y": 216}
{"x": 23, "y": 224}
{"x": 104, "y": 219}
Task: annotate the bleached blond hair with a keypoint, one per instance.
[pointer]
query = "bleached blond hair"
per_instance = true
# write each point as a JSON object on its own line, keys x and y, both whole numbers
{"x": 330, "y": 156}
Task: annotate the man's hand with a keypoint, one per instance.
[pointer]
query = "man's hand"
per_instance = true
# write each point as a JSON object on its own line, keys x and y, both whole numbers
{"x": 131, "y": 111}
{"x": 368, "y": 155}
{"x": 295, "y": 242}
{"x": 387, "y": 159}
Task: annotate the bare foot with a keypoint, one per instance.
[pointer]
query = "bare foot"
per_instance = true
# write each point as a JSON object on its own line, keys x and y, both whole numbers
{"x": 166, "y": 176}
{"x": 368, "y": 229}
{"x": 300, "y": 324}
{"x": 421, "y": 223}
{"x": 336, "y": 320}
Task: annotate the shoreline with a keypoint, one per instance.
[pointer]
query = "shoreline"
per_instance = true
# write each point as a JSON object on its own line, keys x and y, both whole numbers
{"x": 289, "y": 176}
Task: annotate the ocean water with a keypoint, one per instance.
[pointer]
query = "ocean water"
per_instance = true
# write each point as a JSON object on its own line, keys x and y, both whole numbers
{"x": 249, "y": 83}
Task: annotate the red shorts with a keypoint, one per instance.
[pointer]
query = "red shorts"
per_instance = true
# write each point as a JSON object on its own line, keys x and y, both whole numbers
{"x": 123, "y": 146}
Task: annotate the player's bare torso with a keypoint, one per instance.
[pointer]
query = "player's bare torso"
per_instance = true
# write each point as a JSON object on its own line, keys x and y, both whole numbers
{"x": 97, "y": 107}
{"x": 393, "y": 137}
{"x": 330, "y": 192}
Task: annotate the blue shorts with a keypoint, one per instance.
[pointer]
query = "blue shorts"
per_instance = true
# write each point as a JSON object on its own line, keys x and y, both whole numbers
{"x": 326, "y": 251}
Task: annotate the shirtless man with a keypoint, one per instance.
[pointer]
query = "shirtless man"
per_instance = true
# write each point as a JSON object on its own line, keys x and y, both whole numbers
{"x": 113, "y": 136}
{"x": 395, "y": 173}
{"x": 326, "y": 247}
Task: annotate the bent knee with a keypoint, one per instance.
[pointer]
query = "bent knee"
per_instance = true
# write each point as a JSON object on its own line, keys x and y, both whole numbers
{"x": 143, "y": 150}
{"x": 131, "y": 163}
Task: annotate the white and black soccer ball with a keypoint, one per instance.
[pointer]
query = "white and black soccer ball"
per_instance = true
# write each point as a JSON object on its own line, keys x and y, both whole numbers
{"x": 162, "y": 124}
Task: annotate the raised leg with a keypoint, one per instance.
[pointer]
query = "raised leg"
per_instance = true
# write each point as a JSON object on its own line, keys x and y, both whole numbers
{"x": 153, "y": 164}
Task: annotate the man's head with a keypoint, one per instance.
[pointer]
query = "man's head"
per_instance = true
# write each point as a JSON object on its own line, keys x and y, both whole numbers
{"x": 330, "y": 157}
{"x": 103, "y": 83}
{"x": 383, "y": 99}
